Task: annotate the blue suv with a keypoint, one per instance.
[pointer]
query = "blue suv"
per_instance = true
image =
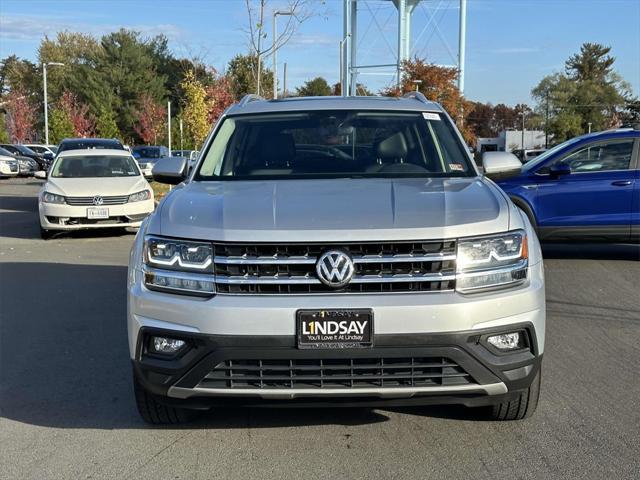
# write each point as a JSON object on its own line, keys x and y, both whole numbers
{"x": 587, "y": 188}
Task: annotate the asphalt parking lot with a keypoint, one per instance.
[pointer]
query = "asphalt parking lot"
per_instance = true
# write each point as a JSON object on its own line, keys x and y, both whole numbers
{"x": 67, "y": 410}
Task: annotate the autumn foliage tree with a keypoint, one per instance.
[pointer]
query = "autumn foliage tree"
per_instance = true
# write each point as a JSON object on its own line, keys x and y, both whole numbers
{"x": 150, "y": 119}
{"x": 439, "y": 85}
{"x": 194, "y": 109}
{"x": 78, "y": 114}
{"x": 21, "y": 116}
{"x": 219, "y": 96}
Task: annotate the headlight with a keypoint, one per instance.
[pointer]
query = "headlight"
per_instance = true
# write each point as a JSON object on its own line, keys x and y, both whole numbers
{"x": 140, "y": 196}
{"x": 492, "y": 262}
{"x": 178, "y": 266}
{"x": 53, "y": 198}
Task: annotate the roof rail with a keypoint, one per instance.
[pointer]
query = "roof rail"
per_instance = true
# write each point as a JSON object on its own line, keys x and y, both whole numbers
{"x": 417, "y": 96}
{"x": 251, "y": 97}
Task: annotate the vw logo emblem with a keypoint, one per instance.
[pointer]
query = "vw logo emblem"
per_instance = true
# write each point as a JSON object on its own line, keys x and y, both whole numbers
{"x": 335, "y": 268}
{"x": 97, "y": 200}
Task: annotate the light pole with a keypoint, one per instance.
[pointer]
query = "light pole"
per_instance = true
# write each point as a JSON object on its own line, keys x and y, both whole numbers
{"x": 46, "y": 109}
{"x": 274, "y": 50}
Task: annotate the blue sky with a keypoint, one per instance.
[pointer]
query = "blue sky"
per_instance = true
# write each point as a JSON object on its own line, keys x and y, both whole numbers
{"x": 511, "y": 44}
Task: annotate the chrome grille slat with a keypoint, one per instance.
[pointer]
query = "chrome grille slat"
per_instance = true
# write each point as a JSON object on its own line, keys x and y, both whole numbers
{"x": 413, "y": 266}
{"x": 88, "y": 201}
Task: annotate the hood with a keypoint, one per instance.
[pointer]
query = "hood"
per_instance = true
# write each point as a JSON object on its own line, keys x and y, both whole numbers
{"x": 332, "y": 210}
{"x": 105, "y": 186}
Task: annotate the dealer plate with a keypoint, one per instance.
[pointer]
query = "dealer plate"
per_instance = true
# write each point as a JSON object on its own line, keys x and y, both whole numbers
{"x": 97, "y": 213}
{"x": 334, "y": 328}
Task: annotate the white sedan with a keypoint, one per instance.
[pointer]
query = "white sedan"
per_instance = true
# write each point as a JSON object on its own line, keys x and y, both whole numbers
{"x": 9, "y": 166}
{"x": 93, "y": 189}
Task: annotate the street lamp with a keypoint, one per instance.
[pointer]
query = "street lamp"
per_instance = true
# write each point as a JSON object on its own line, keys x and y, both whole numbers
{"x": 417, "y": 82}
{"x": 274, "y": 50}
{"x": 46, "y": 110}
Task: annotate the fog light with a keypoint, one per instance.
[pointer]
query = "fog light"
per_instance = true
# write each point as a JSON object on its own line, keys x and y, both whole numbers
{"x": 507, "y": 341}
{"x": 166, "y": 345}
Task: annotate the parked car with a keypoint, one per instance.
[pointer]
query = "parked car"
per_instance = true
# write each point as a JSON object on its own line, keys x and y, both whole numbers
{"x": 148, "y": 155}
{"x": 89, "y": 144}
{"x": 22, "y": 151}
{"x": 26, "y": 165}
{"x": 527, "y": 155}
{"x": 337, "y": 250}
{"x": 9, "y": 166}
{"x": 96, "y": 188}
{"x": 47, "y": 151}
{"x": 587, "y": 188}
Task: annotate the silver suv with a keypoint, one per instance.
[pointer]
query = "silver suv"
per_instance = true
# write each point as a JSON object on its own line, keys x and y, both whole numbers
{"x": 335, "y": 250}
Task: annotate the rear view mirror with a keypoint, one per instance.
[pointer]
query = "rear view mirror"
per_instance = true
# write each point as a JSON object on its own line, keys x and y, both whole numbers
{"x": 500, "y": 164}
{"x": 559, "y": 169}
{"x": 41, "y": 175}
{"x": 171, "y": 170}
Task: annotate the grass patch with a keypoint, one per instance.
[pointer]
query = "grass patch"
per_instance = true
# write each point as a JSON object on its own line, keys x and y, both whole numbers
{"x": 159, "y": 190}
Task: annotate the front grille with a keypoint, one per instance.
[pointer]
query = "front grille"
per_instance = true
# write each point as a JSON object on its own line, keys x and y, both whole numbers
{"x": 88, "y": 201}
{"x": 348, "y": 373}
{"x": 379, "y": 267}
{"x": 88, "y": 221}
{"x": 13, "y": 166}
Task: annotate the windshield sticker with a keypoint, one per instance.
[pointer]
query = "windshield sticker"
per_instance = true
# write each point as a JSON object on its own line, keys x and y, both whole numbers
{"x": 456, "y": 167}
{"x": 430, "y": 116}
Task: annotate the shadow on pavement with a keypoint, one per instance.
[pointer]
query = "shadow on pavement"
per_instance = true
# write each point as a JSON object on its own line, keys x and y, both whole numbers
{"x": 65, "y": 358}
{"x": 591, "y": 251}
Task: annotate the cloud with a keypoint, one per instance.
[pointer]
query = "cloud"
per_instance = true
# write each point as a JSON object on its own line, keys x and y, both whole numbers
{"x": 514, "y": 50}
{"x": 34, "y": 27}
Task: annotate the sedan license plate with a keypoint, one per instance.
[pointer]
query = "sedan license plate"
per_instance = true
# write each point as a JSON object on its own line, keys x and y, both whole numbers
{"x": 97, "y": 213}
{"x": 335, "y": 328}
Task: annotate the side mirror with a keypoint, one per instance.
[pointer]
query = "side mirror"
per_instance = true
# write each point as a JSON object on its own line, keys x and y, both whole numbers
{"x": 170, "y": 170}
{"x": 47, "y": 156}
{"x": 500, "y": 164}
{"x": 559, "y": 169}
{"x": 40, "y": 174}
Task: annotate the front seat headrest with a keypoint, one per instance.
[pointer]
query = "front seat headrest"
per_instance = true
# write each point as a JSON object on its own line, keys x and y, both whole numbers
{"x": 393, "y": 147}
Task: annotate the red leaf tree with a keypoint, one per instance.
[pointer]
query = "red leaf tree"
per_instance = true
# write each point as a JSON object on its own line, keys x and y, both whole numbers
{"x": 21, "y": 116}
{"x": 150, "y": 119}
{"x": 83, "y": 122}
{"x": 219, "y": 96}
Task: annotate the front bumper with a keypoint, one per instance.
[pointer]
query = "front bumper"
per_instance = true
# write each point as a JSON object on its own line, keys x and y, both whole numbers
{"x": 489, "y": 377}
{"x": 68, "y": 217}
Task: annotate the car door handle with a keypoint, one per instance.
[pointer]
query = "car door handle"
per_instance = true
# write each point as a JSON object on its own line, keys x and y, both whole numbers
{"x": 621, "y": 183}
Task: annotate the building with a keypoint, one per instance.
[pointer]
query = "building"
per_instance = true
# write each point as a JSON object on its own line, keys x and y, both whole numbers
{"x": 509, "y": 140}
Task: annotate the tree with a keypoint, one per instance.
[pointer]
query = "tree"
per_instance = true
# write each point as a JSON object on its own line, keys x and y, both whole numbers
{"x": 588, "y": 94}
{"x": 106, "y": 124}
{"x": 149, "y": 119}
{"x": 4, "y": 134}
{"x": 21, "y": 116}
{"x": 78, "y": 113}
{"x": 439, "y": 85}
{"x": 242, "y": 71}
{"x": 219, "y": 96}
{"x": 194, "y": 109}
{"x": 361, "y": 90}
{"x": 300, "y": 12}
{"x": 317, "y": 87}
{"x": 60, "y": 125}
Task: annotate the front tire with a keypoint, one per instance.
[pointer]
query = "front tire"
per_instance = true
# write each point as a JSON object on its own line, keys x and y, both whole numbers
{"x": 45, "y": 234}
{"x": 522, "y": 406}
{"x": 156, "y": 413}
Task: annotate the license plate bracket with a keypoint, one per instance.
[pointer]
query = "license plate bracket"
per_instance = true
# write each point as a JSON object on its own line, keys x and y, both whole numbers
{"x": 334, "y": 328}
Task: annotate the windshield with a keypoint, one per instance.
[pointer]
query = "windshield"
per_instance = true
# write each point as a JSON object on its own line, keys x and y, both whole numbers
{"x": 146, "y": 152}
{"x": 339, "y": 143}
{"x": 5, "y": 152}
{"x": 540, "y": 159}
{"x": 95, "y": 166}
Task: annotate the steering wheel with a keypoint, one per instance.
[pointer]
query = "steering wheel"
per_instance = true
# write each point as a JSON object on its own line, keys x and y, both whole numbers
{"x": 337, "y": 153}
